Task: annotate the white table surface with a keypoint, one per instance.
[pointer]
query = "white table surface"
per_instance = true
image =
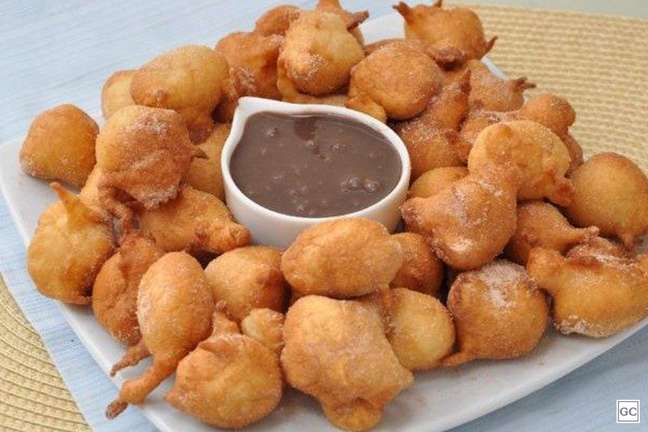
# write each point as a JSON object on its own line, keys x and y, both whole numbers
{"x": 53, "y": 52}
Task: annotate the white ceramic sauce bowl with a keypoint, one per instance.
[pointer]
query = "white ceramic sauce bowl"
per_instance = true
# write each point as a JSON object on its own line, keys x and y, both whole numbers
{"x": 271, "y": 228}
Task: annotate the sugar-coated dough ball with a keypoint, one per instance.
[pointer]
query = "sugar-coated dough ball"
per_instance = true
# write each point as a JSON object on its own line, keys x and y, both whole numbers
{"x": 246, "y": 278}
{"x": 277, "y": 20}
{"x": 468, "y": 223}
{"x": 421, "y": 270}
{"x": 337, "y": 352}
{"x": 421, "y": 330}
{"x": 396, "y": 81}
{"x": 596, "y": 290}
{"x": 194, "y": 221}
{"x": 342, "y": 258}
{"x": 228, "y": 381}
{"x": 434, "y": 181}
{"x": 540, "y": 224}
{"x": 69, "y": 246}
{"x": 499, "y": 313}
{"x": 317, "y": 56}
{"x": 536, "y": 154}
{"x": 115, "y": 93}
{"x": 188, "y": 80}
{"x": 145, "y": 153}
{"x": 60, "y": 145}
{"x": 611, "y": 192}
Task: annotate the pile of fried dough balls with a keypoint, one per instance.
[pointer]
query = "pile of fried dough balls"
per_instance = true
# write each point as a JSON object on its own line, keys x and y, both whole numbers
{"x": 506, "y": 228}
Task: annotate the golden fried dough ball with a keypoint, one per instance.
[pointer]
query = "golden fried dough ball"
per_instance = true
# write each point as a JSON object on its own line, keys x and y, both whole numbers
{"x": 611, "y": 192}
{"x": 558, "y": 115}
{"x": 421, "y": 331}
{"x": 337, "y": 352}
{"x": 276, "y": 20}
{"x": 69, "y": 246}
{"x": 539, "y": 224}
{"x": 252, "y": 60}
{"x": 434, "y": 181}
{"x": 595, "y": 291}
{"x": 195, "y": 221}
{"x": 247, "y": 278}
{"x": 115, "y": 93}
{"x": 458, "y": 32}
{"x": 265, "y": 326}
{"x": 396, "y": 81}
{"x": 493, "y": 93}
{"x": 188, "y": 80}
{"x": 342, "y": 258}
{"x": 317, "y": 55}
{"x": 145, "y": 153}
{"x": 205, "y": 174}
{"x": 229, "y": 380}
{"x": 498, "y": 311}
{"x": 421, "y": 270}
{"x": 174, "y": 309}
{"x": 351, "y": 19}
{"x": 60, "y": 145}
{"x": 531, "y": 150}
{"x": 431, "y": 137}
{"x": 468, "y": 223}
{"x": 114, "y": 293}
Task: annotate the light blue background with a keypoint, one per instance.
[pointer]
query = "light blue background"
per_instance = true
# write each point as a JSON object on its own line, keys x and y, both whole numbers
{"x": 56, "y": 52}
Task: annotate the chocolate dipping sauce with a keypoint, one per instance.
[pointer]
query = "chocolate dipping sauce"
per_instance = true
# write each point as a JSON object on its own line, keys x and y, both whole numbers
{"x": 313, "y": 165}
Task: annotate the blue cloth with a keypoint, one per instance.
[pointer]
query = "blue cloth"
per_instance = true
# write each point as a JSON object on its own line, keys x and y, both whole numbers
{"x": 52, "y": 53}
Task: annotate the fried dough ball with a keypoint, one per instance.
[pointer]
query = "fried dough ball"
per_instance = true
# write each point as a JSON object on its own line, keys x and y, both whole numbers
{"x": 531, "y": 150}
{"x": 145, "y": 153}
{"x": 342, "y": 258}
{"x": 205, "y": 174}
{"x": 337, "y": 352}
{"x": 596, "y": 292}
{"x": 458, "y": 31}
{"x": 277, "y": 20}
{"x": 493, "y": 93}
{"x": 265, "y": 326}
{"x": 247, "y": 278}
{"x": 174, "y": 309}
{"x": 351, "y": 19}
{"x": 421, "y": 270}
{"x": 115, "y": 93}
{"x": 68, "y": 248}
{"x": 194, "y": 221}
{"x": 188, "y": 80}
{"x": 252, "y": 60}
{"x": 431, "y": 137}
{"x": 539, "y": 224}
{"x": 396, "y": 81}
{"x": 498, "y": 311}
{"x": 468, "y": 223}
{"x": 60, "y": 145}
{"x": 317, "y": 55}
{"x": 558, "y": 115}
{"x": 421, "y": 331}
{"x": 114, "y": 293}
{"x": 229, "y": 381}
{"x": 434, "y": 181}
{"x": 611, "y": 192}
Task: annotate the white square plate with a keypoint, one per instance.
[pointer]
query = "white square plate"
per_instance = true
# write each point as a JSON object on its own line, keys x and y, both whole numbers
{"x": 438, "y": 400}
